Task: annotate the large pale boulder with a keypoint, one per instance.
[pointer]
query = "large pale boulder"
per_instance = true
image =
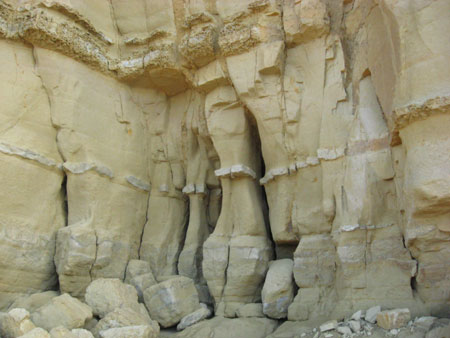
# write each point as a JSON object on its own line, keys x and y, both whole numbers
{"x": 168, "y": 302}
{"x": 64, "y": 311}
{"x": 393, "y": 319}
{"x": 278, "y": 290}
{"x": 104, "y": 295}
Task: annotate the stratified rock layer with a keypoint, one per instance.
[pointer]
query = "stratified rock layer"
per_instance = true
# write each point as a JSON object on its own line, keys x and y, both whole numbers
{"x": 210, "y": 137}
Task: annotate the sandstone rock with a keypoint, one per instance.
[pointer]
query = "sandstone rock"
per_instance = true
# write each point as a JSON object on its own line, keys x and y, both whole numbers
{"x": 61, "y": 332}
{"x": 36, "y": 333}
{"x": 393, "y": 319}
{"x": 81, "y": 333}
{"x": 440, "y": 328}
{"x": 64, "y": 311}
{"x": 168, "y": 302}
{"x": 355, "y": 325}
{"x": 122, "y": 317}
{"x": 32, "y": 302}
{"x": 372, "y": 313}
{"x": 224, "y": 328}
{"x": 136, "y": 268}
{"x": 142, "y": 283}
{"x": 328, "y": 326}
{"x": 278, "y": 290}
{"x": 250, "y": 310}
{"x": 15, "y": 323}
{"x": 194, "y": 317}
{"x": 345, "y": 330}
{"x": 76, "y": 249}
{"x": 105, "y": 295}
{"x": 139, "y": 331}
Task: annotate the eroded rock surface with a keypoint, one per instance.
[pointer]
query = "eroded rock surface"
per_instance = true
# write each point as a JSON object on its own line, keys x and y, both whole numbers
{"x": 206, "y": 138}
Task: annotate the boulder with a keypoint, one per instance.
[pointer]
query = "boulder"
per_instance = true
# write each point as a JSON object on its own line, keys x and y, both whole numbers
{"x": 439, "y": 329}
{"x": 168, "y": 302}
{"x": 219, "y": 327}
{"x": 194, "y": 317}
{"x": 250, "y": 310}
{"x": 61, "y": 332}
{"x": 136, "y": 267}
{"x": 82, "y": 333}
{"x": 142, "y": 283}
{"x": 15, "y": 323}
{"x": 140, "y": 331}
{"x": 278, "y": 290}
{"x": 393, "y": 319}
{"x": 355, "y": 325}
{"x": 36, "y": 333}
{"x": 34, "y": 301}
{"x": 104, "y": 295}
{"x": 328, "y": 326}
{"x": 122, "y": 317}
{"x": 371, "y": 314}
{"x": 63, "y": 310}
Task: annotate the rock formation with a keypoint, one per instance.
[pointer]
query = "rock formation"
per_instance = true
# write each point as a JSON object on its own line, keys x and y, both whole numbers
{"x": 210, "y": 137}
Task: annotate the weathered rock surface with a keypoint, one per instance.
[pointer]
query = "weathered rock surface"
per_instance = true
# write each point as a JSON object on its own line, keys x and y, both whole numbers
{"x": 168, "y": 302}
{"x": 278, "y": 290}
{"x": 194, "y": 317}
{"x": 15, "y": 323}
{"x": 393, "y": 319}
{"x": 64, "y": 311}
{"x": 210, "y": 137}
{"x": 140, "y": 331}
{"x": 36, "y": 333}
{"x": 104, "y": 295}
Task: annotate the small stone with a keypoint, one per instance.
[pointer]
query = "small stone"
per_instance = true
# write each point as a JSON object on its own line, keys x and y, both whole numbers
{"x": 328, "y": 335}
{"x": 355, "y": 325}
{"x": 394, "y": 331}
{"x": 371, "y": 314}
{"x": 393, "y": 319}
{"x": 424, "y": 322}
{"x": 357, "y": 315}
{"x": 82, "y": 333}
{"x": 344, "y": 330}
{"x": 328, "y": 326}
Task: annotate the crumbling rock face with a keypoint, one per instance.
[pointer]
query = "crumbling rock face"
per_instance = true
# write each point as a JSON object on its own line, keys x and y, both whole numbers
{"x": 209, "y": 137}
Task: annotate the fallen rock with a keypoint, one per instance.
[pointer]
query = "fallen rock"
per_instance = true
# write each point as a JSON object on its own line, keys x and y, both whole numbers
{"x": 124, "y": 317}
{"x": 393, "y": 319}
{"x": 168, "y": 302}
{"x": 355, "y": 325}
{"x": 278, "y": 290}
{"x": 136, "y": 268}
{"x": 82, "y": 333}
{"x": 36, "y": 333}
{"x": 104, "y": 295}
{"x": 439, "y": 329}
{"x": 328, "y": 326}
{"x": 357, "y": 315}
{"x": 194, "y": 317}
{"x": 424, "y": 322}
{"x": 15, "y": 323}
{"x": 345, "y": 330}
{"x": 34, "y": 301}
{"x": 139, "y": 274}
{"x": 219, "y": 327}
{"x": 140, "y": 331}
{"x": 293, "y": 329}
{"x": 371, "y": 314}
{"x": 63, "y": 310}
{"x": 250, "y": 310}
{"x": 61, "y": 332}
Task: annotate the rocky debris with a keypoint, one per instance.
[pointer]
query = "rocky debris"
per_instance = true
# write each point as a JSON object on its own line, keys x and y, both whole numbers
{"x": 328, "y": 326}
{"x": 278, "y": 290}
{"x": 34, "y": 301}
{"x": 61, "y": 332}
{"x": 424, "y": 322}
{"x": 139, "y": 331}
{"x": 104, "y": 295}
{"x": 82, "y": 333}
{"x": 63, "y": 310}
{"x": 36, "y": 333}
{"x": 168, "y": 302}
{"x": 250, "y": 310}
{"x": 439, "y": 329}
{"x": 139, "y": 274}
{"x": 219, "y": 327}
{"x": 371, "y": 314}
{"x": 345, "y": 330}
{"x": 354, "y": 325}
{"x": 393, "y": 319}
{"x": 122, "y": 317}
{"x": 194, "y": 317}
{"x": 15, "y": 323}
{"x": 357, "y": 315}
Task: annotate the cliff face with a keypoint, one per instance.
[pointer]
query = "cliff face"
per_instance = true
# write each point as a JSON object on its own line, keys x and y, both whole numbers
{"x": 209, "y": 137}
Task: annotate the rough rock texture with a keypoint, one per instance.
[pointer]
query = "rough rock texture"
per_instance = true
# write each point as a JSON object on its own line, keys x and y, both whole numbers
{"x": 15, "y": 323}
{"x": 209, "y": 137}
{"x": 168, "y": 302}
